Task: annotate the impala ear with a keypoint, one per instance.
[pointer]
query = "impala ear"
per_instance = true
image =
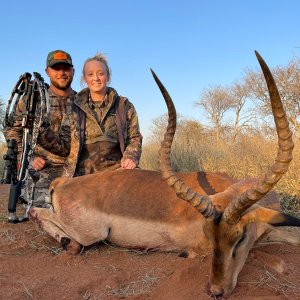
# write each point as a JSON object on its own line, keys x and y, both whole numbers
{"x": 222, "y": 199}
{"x": 269, "y": 216}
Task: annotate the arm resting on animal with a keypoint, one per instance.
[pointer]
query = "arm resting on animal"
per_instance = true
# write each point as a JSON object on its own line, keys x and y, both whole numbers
{"x": 134, "y": 138}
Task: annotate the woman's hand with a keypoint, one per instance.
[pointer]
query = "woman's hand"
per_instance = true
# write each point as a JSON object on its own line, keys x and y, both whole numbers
{"x": 128, "y": 164}
{"x": 38, "y": 163}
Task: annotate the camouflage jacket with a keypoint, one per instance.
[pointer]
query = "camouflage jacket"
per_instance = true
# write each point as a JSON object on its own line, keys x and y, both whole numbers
{"x": 54, "y": 152}
{"x": 96, "y": 141}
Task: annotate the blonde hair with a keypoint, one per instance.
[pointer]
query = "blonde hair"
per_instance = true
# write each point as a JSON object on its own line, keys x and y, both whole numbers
{"x": 98, "y": 57}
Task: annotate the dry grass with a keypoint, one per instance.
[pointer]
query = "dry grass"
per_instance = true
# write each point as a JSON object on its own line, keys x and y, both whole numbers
{"x": 27, "y": 292}
{"x": 87, "y": 295}
{"x": 290, "y": 204}
{"x": 249, "y": 157}
{"x": 9, "y": 235}
{"x": 274, "y": 282}
{"x": 139, "y": 286}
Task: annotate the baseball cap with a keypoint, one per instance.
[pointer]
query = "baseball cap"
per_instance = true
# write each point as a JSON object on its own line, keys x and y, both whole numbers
{"x": 58, "y": 57}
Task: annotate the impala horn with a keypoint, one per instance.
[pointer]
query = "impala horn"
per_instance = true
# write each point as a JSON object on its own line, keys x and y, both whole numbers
{"x": 284, "y": 154}
{"x": 202, "y": 203}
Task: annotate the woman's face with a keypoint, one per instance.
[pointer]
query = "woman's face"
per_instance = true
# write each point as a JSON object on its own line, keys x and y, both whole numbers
{"x": 95, "y": 76}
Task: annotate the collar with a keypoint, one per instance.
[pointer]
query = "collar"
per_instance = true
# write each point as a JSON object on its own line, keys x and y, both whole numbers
{"x": 82, "y": 98}
{"x": 96, "y": 104}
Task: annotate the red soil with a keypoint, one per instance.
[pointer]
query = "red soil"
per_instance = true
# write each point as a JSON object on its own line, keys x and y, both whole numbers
{"x": 34, "y": 266}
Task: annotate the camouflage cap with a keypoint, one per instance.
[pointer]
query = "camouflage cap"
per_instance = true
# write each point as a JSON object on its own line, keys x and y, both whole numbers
{"x": 58, "y": 57}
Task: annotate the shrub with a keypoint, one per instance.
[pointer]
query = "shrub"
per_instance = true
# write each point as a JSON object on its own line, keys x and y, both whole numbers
{"x": 249, "y": 157}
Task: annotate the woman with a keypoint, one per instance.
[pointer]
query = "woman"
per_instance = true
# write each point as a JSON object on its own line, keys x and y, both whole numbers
{"x": 104, "y": 128}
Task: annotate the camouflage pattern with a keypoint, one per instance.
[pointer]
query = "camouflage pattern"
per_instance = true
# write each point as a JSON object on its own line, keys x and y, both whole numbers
{"x": 94, "y": 136}
{"x": 54, "y": 138}
{"x": 16, "y": 131}
{"x": 53, "y": 143}
{"x": 41, "y": 191}
{"x": 56, "y": 141}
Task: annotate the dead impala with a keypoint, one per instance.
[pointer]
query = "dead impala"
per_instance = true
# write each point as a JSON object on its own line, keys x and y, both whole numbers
{"x": 137, "y": 209}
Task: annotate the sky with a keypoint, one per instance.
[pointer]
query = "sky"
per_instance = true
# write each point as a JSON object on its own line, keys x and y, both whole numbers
{"x": 191, "y": 45}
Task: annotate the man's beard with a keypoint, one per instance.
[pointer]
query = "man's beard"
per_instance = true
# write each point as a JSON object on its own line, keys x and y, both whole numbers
{"x": 62, "y": 87}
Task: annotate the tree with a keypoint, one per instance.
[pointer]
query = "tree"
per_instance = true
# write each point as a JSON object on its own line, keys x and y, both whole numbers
{"x": 216, "y": 101}
{"x": 186, "y": 130}
{"x": 190, "y": 135}
{"x": 288, "y": 82}
{"x": 239, "y": 95}
{"x": 158, "y": 127}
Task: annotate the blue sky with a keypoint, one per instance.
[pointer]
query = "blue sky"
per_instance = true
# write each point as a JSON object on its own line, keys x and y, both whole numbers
{"x": 189, "y": 44}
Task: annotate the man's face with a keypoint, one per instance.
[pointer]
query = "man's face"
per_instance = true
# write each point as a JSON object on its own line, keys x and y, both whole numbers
{"x": 61, "y": 75}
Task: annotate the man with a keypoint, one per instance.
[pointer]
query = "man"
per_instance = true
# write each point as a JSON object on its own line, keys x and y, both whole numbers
{"x": 46, "y": 165}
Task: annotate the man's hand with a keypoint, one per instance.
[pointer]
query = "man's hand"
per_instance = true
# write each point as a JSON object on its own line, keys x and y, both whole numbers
{"x": 128, "y": 164}
{"x": 38, "y": 163}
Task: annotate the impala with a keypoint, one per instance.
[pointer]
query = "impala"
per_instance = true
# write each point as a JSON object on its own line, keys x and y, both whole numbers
{"x": 182, "y": 212}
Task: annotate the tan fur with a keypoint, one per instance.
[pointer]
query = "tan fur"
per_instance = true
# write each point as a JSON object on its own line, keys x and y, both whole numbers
{"x": 136, "y": 209}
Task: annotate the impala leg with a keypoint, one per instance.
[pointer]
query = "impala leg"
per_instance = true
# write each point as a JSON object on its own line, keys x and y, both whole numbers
{"x": 269, "y": 234}
{"x": 283, "y": 236}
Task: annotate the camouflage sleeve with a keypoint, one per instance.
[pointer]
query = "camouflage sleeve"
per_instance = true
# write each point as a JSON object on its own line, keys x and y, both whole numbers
{"x": 16, "y": 130}
{"x": 56, "y": 142}
{"x": 51, "y": 159}
{"x": 133, "y": 149}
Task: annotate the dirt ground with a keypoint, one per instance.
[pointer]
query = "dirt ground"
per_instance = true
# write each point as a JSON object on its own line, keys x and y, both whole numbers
{"x": 34, "y": 266}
